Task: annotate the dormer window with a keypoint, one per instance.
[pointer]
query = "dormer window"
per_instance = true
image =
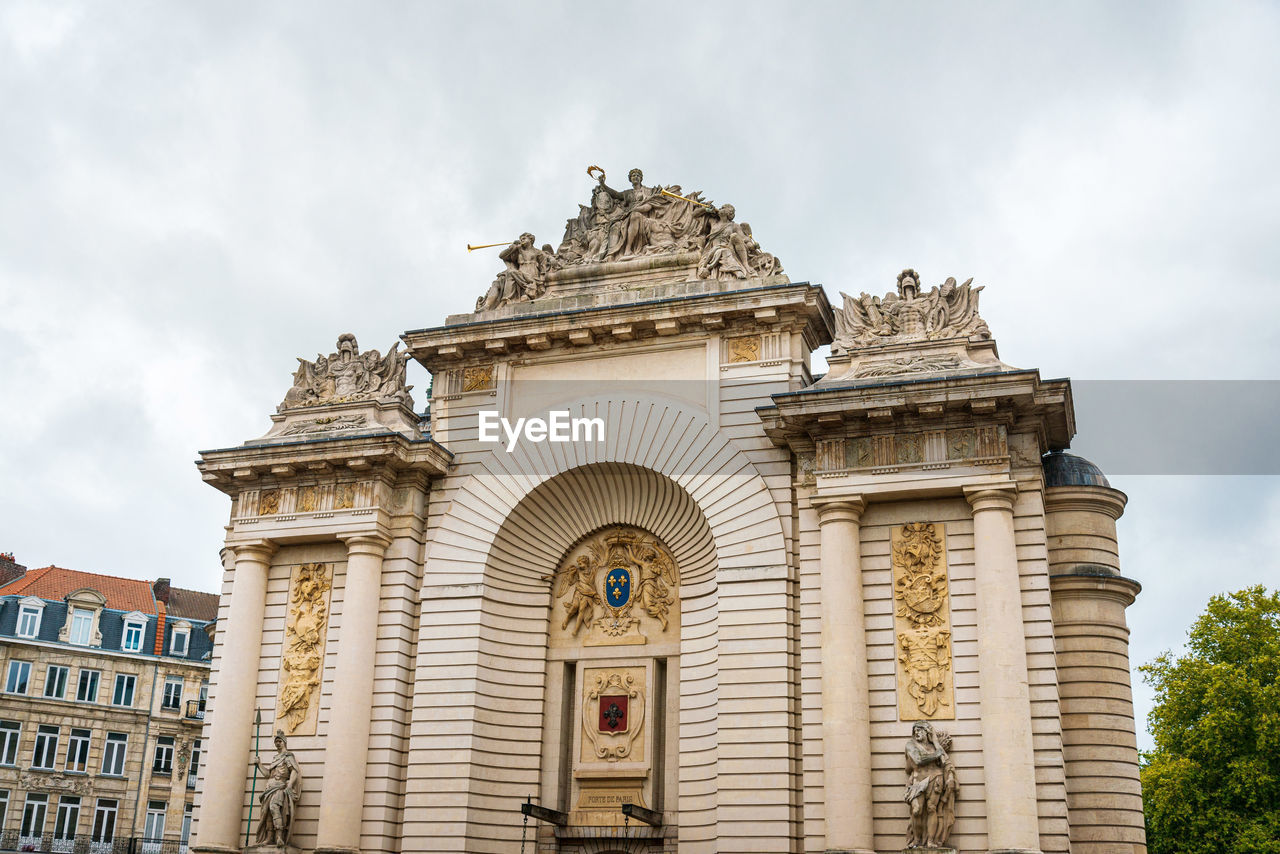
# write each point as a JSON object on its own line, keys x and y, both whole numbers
{"x": 135, "y": 627}
{"x": 84, "y": 611}
{"x": 180, "y": 639}
{"x": 30, "y": 610}
{"x": 81, "y": 626}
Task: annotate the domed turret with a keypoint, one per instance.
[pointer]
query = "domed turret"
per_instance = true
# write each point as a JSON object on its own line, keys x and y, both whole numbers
{"x": 1064, "y": 469}
{"x": 1088, "y": 597}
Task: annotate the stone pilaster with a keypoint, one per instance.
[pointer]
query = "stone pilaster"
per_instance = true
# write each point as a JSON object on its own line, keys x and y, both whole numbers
{"x": 846, "y": 722}
{"x": 1008, "y": 755}
{"x": 226, "y": 767}
{"x": 347, "y": 741}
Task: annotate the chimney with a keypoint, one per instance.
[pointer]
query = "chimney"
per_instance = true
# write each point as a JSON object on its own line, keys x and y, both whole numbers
{"x": 10, "y": 569}
{"x": 160, "y": 587}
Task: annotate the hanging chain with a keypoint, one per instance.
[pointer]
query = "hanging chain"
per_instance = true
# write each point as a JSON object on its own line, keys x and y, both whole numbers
{"x": 525, "y": 828}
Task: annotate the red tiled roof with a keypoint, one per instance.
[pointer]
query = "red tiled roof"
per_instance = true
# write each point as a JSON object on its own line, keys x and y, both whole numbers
{"x": 192, "y": 604}
{"x": 55, "y": 583}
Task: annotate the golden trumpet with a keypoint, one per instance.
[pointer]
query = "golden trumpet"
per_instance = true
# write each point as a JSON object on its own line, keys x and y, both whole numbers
{"x": 690, "y": 201}
{"x": 471, "y": 248}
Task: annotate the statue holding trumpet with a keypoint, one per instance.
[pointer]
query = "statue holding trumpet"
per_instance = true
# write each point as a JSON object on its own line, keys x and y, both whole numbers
{"x": 524, "y": 276}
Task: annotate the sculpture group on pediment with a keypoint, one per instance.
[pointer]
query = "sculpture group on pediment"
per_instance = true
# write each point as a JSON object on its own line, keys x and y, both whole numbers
{"x": 945, "y": 311}
{"x": 349, "y": 375}
{"x": 633, "y": 223}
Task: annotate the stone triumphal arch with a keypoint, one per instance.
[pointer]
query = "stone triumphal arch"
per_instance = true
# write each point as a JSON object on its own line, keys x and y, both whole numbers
{"x": 642, "y": 581}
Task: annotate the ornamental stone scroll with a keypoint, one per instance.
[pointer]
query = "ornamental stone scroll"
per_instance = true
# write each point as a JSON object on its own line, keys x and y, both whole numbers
{"x": 922, "y": 622}
{"x": 302, "y": 661}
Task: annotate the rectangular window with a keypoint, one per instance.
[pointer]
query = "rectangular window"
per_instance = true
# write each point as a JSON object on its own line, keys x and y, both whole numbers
{"x": 55, "y": 681}
{"x": 45, "y": 756}
{"x": 132, "y": 637}
{"x": 78, "y": 750}
{"x": 113, "y": 754}
{"x": 33, "y": 816}
{"x": 81, "y": 626}
{"x": 163, "y": 763}
{"x": 29, "y": 621}
{"x": 10, "y": 732}
{"x": 178, "y": 646}
{"x": 193, "y": 770}
{"x": 153, "y": 830}
{"x": 104, "y": 821}
{"x": 172, "y": 693}
{"x": 123, "y": 695}
{"x": 87, "y": 692}
{"x": 19, "y": 675}
{"x": 66, "y": 822}
{"x": 4, "y": 806}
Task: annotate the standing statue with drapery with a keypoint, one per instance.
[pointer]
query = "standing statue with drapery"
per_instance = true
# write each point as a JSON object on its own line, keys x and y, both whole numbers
{"x": 283, "y": 786}
{"x": 931, "y": 787}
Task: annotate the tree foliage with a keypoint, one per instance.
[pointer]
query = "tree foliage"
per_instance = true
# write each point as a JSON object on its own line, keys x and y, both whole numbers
{"x": 1212, "y": 784}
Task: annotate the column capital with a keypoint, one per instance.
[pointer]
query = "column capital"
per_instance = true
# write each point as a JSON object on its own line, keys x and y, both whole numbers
{"x": 369, "y": 544}
{"x": 842, "y": 508}
{"x": 255, "y": 550}
{"x": 993, "y": 496}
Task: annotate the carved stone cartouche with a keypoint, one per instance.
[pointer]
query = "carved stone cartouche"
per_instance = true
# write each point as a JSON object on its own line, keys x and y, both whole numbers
{"x": 588, "y": 586}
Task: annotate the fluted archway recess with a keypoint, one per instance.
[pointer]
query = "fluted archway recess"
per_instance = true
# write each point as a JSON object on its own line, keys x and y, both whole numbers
{"x": 508, "y": 519}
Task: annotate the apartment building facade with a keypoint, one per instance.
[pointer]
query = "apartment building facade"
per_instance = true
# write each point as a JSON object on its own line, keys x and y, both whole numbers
{"x": 101, "y": 707}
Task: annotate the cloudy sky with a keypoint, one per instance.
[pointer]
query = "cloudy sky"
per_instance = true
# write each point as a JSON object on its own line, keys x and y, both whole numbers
{"x": 192, "y": 195}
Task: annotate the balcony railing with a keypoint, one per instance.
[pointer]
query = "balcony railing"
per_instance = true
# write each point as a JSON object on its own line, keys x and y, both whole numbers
{"x": 46, "y": 843}
{"x": 195, "y": 710}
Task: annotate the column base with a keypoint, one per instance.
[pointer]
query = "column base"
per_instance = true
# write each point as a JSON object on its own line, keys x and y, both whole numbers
{"x": 848, "y": 851}
{"x": 1015, "y": 851}
{"x": 930, "y": 849}
{"x": 271, "y": 848}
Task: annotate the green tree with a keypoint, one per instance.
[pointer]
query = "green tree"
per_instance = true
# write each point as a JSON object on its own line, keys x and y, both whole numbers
{"x": 1212, "y": 784}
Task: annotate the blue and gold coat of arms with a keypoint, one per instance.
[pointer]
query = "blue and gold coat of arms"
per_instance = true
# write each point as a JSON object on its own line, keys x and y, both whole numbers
{"x": 617, "y": 587}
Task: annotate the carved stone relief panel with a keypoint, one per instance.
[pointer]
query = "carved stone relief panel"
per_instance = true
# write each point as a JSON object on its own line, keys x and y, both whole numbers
{"x": 927, "y": 449}
{"x": 302, "y": 659}
{"x": 619, "y": 586}
{"x": 744, "y": 349}
{"x": 269, "y": 502}
{"x": 477, "y": 378}
{"x": 922, "y": 622}
{"x": 312, "y": 498}
{"x": 613, "y": 714}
